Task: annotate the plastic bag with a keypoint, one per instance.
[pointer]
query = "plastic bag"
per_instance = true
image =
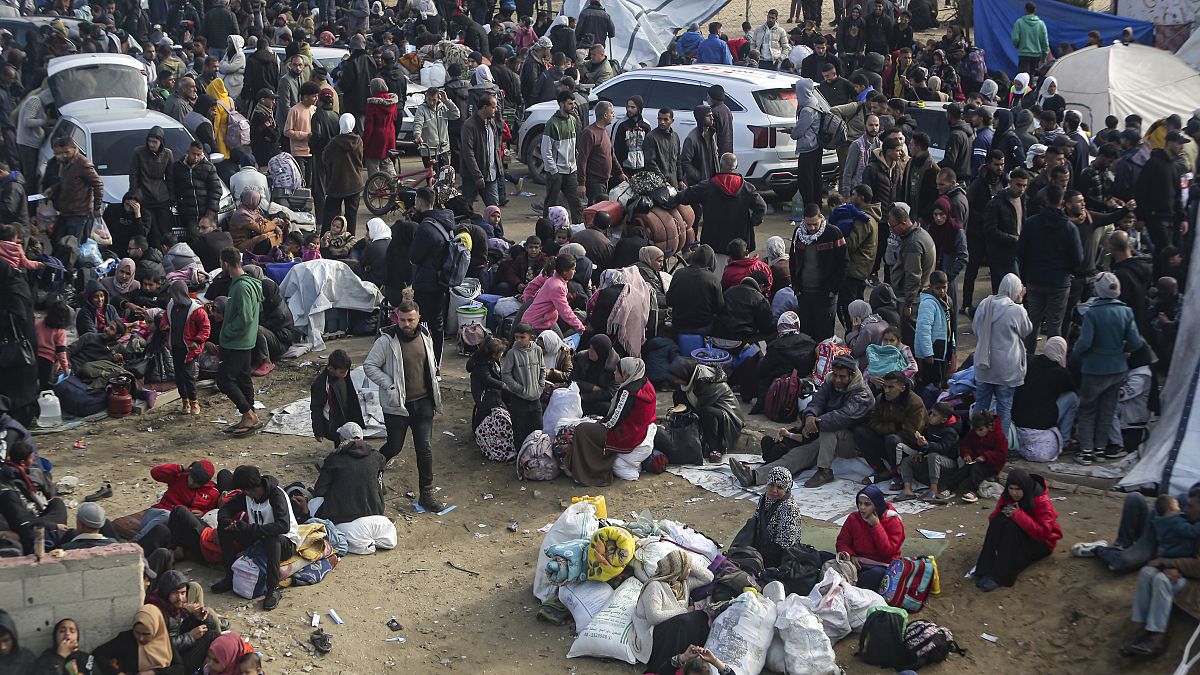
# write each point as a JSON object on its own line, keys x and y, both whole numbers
{"x": 629, "y": 465}
{"x": 859, "y": 601}
{"x": 742, "y": 634}
{"x": 578, "y": 521}
{"x": 89, "y": 254}
{"x": 585, "y": 599}
{"x": 100, "y": 233}
{"x": 828, "y": 601}
{"x": 365, "y": 535}
{"x": 610, "y": 632}
{"x": 649, "y": 552}
{"x": 806, "y": 648}
{"x": 692, "y": 539}
{"x": 564, "y": 403}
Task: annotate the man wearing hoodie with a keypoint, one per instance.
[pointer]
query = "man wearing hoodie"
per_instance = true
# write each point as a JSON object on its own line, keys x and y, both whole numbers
{"x": 630, "y": 138}
{"x": 239, "y": 333}
{"x": 662, "y": 150}
{"x": 960, "y": 143}
{"x": 595, "y": 21}
{"x": 732, "y": 208}
{"x": 695, "y": 296}
{"x": 698, "y": 158}
{"x": 808, "y": 147}
{"x": 261, "y": 512}
{"x": 150, "y": 181}
{"x": 403, "y": 363}
{"x": 1048, "y": 251}
{"x": 818, "y": 265}
{"x": 351, "y": 479}
{"x": 233, "y": 66}
{"x": 430, "y": 246}
{"x": 1157, "y": 193}
{"x": 13, "y": 657}
{"x": 1030, "y": 38}
{"x": 981, "y": 123}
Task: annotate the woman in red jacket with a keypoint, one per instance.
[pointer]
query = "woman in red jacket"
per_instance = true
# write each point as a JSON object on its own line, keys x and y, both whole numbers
{"x": 186, "y": 344}
{"x": 1023, "y": 529}
{"x": 872, "y": 536}
{"x": 379, "y": 135}
{"x": 591, "y": 455}
{"x": 984, "y": 450}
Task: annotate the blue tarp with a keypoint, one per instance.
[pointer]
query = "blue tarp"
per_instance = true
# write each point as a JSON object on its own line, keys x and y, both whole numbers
{"x": 994, "y": 20}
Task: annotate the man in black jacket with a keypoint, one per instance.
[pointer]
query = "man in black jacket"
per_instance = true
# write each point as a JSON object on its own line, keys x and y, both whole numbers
{"x": 1096, "y": 181}
{"x": 698, "y": 158}
{"x": 732, "y": 208}
{"x": 1002, "y": 226}
{"x": 991, "y": 181}
{"x": 818, "y": 265}
{"x": 1048, "y": 251}
{"x": 695, "y": 296}
{"x": 197, "y": 189}
{"x": 629, "y": 141}
{"x": 1136, "y": 273}
{"x": 746, "y": 314}
{"x": 662, "y": 150}
{"x": 351, "y": 478}
{"x": 482, "y": 167}
{"x": 260, "y": 513}
{"x": 595, "y": 21}
{"x": 355, "y": 81}
{"x": 1157, "y": 193}
{"x": 333, "y": 399}
{"x": 959, "y": 147}
{"x": 430, "y": 246}
{"x": 532, "y": 70}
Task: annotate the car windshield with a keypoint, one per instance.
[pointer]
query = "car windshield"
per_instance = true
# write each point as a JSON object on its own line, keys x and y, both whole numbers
{"x": 777, "y": 102}
{"x": 98, "y": 81}
{"x": 112, "y": 151}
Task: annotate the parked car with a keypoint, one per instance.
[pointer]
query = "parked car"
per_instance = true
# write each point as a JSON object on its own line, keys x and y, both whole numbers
{"x": 763, "y": 104}
{"x": 931, "y": 118}
{"x": 27, "y": 34}
{"x": 84, "y": 82}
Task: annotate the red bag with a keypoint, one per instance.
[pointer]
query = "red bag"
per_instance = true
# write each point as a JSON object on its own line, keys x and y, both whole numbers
{"x": 827, "y": 352}
{"x": 782, "y": 398}
{"x": 612, "y": 207}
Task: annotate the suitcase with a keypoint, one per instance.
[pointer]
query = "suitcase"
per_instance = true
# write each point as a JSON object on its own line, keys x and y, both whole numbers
{"x": 611, "y": 207}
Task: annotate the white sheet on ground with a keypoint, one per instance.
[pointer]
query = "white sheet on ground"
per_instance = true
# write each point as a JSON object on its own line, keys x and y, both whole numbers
{"x": 830, "y": 502}
{"x": 315, "y": 286}
{"x": 295, "y": 418}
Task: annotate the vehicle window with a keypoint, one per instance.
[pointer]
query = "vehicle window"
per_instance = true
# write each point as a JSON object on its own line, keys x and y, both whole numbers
{"x": 734, "y": 106}
{"x": 618, "y": 92}
{"x": 94, "y": 82}
{"x": 776, "y": 102}
{"x": 678, "y": 96}
{"x": 932, "y": 122}
{"x": 113, "y": 150}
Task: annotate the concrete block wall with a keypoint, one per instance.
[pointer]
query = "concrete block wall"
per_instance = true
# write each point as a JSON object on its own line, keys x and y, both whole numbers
{"x": 101, "y": 588}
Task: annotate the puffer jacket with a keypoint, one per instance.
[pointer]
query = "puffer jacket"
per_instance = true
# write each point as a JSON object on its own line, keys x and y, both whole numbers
{"x": 1041, "y": 521}
{"x": 197, "y": 188}
{"x": 351, "y": 481}
{"x": 904, "y": 416}
{"x": 150, "y": 172}
{"x": 233, "y": 70}
{"x": 343, "y": 158}
{"x": 746, "y": 314}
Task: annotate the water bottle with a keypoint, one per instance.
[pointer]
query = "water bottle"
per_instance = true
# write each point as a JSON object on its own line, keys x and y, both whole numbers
{"x": 51, "y": 410}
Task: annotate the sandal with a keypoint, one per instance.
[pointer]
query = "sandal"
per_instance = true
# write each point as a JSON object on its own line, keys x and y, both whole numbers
{"x": 931, "y": 498}
{"x": 322, "y": 641}
{"x": 903, "y": 498}
{"x": 241, "y": 431}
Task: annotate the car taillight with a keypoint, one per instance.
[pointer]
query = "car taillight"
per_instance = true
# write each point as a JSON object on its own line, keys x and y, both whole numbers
{"x": 764, "y": 137}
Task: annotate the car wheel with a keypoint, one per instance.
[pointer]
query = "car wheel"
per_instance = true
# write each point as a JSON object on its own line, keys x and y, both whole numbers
{"x": 532, "y": 158}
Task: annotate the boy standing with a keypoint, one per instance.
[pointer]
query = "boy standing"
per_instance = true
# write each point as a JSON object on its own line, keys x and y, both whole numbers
{"x": 333, "y": 399}
{"x": 524, "y": 377}
{"x": 933, "y": 344}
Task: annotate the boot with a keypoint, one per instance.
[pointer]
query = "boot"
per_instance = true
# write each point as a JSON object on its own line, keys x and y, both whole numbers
{"x": 430, "y": 502}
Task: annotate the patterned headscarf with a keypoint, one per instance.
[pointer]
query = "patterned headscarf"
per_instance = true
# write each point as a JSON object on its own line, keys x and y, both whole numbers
{"x": 789, "y": 322}
{"x": 782, "y": 516}
{"x": 673, "y": 570}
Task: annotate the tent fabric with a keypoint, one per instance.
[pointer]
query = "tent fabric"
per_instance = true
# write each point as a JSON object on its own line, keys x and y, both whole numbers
{"x": 994, "y": 20}
{"x": 1190, "y": 51}
{"x": 645, "y": 27}
{"x": 315, "y": 286}
{"x": 1124, "y": 79}
{"x": 1170, "y": 460}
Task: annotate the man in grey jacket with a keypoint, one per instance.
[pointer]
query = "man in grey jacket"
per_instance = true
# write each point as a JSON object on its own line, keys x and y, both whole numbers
{"x": 401, "y": 363}
{"x": 808, "y": 145}
{"x": 843, "y": 402}
{"x": 915, "y": 260}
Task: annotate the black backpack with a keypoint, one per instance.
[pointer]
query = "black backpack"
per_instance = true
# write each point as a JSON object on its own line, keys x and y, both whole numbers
{"x": 929, "y": 642}
{"x": 881, "y": 642}
{"x": 798, "y": 571}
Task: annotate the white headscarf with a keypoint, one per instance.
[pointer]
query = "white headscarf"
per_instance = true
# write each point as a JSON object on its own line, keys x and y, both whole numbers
{"x": 552, "y": 344}
{"x": 377, "y": 230}
{"x": 483, "y": 74}
{"x": 1044, "y": 92}
{"x": 1021, "y": 80}
{"x": 346, "y": 123}
{"x": 776, "y": 250}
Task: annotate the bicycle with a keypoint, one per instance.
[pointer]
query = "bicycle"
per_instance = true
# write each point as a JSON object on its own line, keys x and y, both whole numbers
{"x": 383, "y": 192}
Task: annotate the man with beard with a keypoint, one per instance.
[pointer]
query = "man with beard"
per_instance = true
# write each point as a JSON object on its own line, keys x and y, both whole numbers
{"x": 630, "y": 138}
{"x": 698, "y": 158}
{"x": 1094, "y": 228}
{"x": 1048, "y": 252}
{"x": 325, "y": 127}
{"x": 288, "y": 92}
{"x": 662, "y": 150}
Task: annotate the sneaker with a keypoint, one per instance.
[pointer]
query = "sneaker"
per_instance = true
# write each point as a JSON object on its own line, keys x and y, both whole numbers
{"x": 821, "y": 477}
{"x": 741, "y": 473}
{"x": 429, "y": 502}
{"x": 969, "y": 497}
{"x": 223, "y": 586}
{"x": 1087, "y": 549}
{"x": 1085, "y": 457}
{"x": 272, "y": 600}
{"x": 1114, "y": 451}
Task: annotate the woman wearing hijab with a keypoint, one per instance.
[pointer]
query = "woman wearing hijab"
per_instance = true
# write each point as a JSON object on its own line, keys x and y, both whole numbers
{"x": 871, "y": 536}
{"x": 1043, "y": 409}
{"x": 705, "y": 389}
{"x": 667, "y": 595}
{"x": 373, "y": 265}
{"x": 398, "y": 273}
{"x": 775, "y": 525}
{"x": 379, "y": 133}
{"x": 63, "y": 657}
{"x": 220, "y": 122}
{"x": 1000, "y": 324}
{"x": 780, "y": 263}
{"x": 250, "y": 229}
{"x": 649, "y": 265}
{"x": 1022, "y": 530}
{"x": 950, "y": 242}
{"x": 1017, "y": 93}
{"x": 1050, "y": 99}
{"x": 224, "y": 654}
{"x": 583, "y": 265}
{"x": 595, "y": 371}
{"x": 620, "y": 308}
{"x": 557, "y": 358}
{"x": 144, "y": 648}
{"x": 343, "y": 162}
{"x": 790, "y": 350}
{"x": 866, "y": 329}
{"x": 121, "y": 283}
{"x": 591, "y": 455}
{"x": 187, "y": 327}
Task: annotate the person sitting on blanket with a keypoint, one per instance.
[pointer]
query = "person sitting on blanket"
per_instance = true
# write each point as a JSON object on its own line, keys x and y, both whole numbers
{"x": 898, "y": 417}
{"x": 984, "y": 450}
{"x": 189, "y": 486}
{"x": 775, "y": 525}
{"x": 871, "y": 536}
{"x": 351, "y": 479}
{"x": 936, "y": 451}
{"x": 191, "y": 625}
{"x": 333, "y": 399}
{"x": 261, "y": 513}
{"x": 88, "y": 521}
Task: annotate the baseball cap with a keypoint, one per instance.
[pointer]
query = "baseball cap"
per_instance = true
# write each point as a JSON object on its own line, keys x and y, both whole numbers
{"x": 266, "y": 92}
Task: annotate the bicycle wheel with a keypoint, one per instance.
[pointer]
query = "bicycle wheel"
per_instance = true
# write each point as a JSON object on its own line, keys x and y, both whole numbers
{"x": 379, "y": 194}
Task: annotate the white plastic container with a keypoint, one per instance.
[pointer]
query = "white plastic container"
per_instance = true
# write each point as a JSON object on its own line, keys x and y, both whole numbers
{"x": 51, "y": 410}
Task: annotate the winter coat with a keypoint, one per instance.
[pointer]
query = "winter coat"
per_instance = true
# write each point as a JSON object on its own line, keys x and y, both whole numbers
{"x": 918, "y": 186}
{"x": 357, "y": 72}
{"x": 714, "y": 50}
{"x": 662, "y": 154}
{"x": 179, "y": 493}
{"x": 1041, "y": 521}
{"x": 861, "y": 243}
{"x": 262, "y": 72}
{"x": 884, "y": 182}
{"x": 380, "y": 134}
{"x": 915, "y": 261}
{"x": 432, "y": 123}
{"x": 807, "y": 129}
{"x": 351, "y": 481}
{"x": 904, "y": 416}
{"x": 524, "y": 372}
{"x": 708, "y": 393}
{"x": 933, "y": 327}
{"x": 1048, "y": 250}
{"x": 233, "y": 69}
{"x": 595, "y": 21}
{"x": 991, "y": 449}
{"x": 384, "y": 366}
{"x": 85, "y": 318}
{"x": 1000, "y": 226}
{"x": 477, "y": 154}
{"x": 196, "y": 330}
{"x": 794, "y": 351}
{"x": 429, "y": 247}
{"x": 1157, "y": 189}
{"x": 837, "y": 409}
{"x": 150, "y": 176}
{"x": 343, "y": 160}
{"x": 746, "y": 314}
{"x": 1029, "y": 37}
{"x": 328, "y": 411}
{"x": 1035, "y": 402}
{"x": 737, "y": 270}
{"x": 732, "y": 208}
{"x": 880, "y": 543}
{"x": 698, "y": 158}
{"x": 942, "y": 439}
{"x": 219, "y": 24}
{"x": 1136, "y": 274}
{"x": 271, "y": 517}
{"x": 631, "y": 415}
{"x": 79, "y": 190}
{"x": 197, "y": 189}
{"x": 1109, "y": 332}
{"x": 832, "y": 258}
{"x": 959, "y": 149}
{"x": 695, "y": 295}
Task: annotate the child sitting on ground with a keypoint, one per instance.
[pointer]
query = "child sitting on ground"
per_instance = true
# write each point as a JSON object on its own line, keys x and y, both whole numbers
{"x": 936, "y": 451}
{"x": 890, "y": 354}
{"x": 250, "y": 664}
{"x": 311, "y": 250}
{"x": 337, "y": 243}
{"x": 1176, "y": 537}
{"x": 333, "y": 399}
{"x": 984, "y": 450}
{"x": 292, "y": 244}
{"x": 11, "y": 250}
{"x": 524, "y": 377}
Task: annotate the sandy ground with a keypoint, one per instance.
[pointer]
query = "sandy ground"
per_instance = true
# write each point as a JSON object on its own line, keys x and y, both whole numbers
{"x": 1064, "y": 615}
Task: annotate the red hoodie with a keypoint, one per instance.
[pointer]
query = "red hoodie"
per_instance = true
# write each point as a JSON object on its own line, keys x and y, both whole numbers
{"x": 992, "y": 448}
{"x": 881, "y": 543}
{"x": 179, "y": 494}
{"x": 737, "y": 270}
{"x": 1040, "y": 523}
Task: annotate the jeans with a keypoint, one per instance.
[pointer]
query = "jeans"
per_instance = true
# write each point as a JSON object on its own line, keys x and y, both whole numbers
{"x": 1136, "y": 544}
{"x": 999, "y": 268}
{"x": 75, "y": 226}
{"x": 490, "y": 192}
{"x": 1068, "y": 406}
{"x": 975, "y": 259}
{"x": 985, "y": 392}
{"x": 1154, "y": 598}
{"x": 420, "y": 420}
{"x": 233, "y": 378}
{"x": 185, "y": 373}
{"x": 566, "y": 185}
{"x": 150, "y": 518}
{"x": 1097, "y": 406}
{"x": 1045, "y": 304}
{"x": 162, "y": 222}
{"x": 333, "y": 207}
{"x": 816, "y": 312}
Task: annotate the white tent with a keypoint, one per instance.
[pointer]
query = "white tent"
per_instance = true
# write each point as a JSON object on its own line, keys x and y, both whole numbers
{"x": 645, "y": 27}
{"x": 1124, "y": 79}
{"x": 1171, "y": 458}
{"x": 1190, "y": 51}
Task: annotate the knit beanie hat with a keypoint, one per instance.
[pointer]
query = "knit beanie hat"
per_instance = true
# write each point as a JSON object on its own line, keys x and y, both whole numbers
{"x": 91, "y": 515}
{"x": 1108, "y": 286}
{"x": 201, "y": 471}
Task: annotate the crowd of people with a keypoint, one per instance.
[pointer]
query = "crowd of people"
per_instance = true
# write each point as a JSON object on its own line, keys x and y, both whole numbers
{"x": 1084, "y": 232}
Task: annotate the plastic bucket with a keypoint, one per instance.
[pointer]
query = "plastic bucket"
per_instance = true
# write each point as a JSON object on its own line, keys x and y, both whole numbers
{"x": 472, "y": 312}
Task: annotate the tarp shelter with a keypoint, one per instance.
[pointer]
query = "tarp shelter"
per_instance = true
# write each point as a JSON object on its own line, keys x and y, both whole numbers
{"x": 1171, "y": 458}
{"x": 1190, "y": 51}
{"x": 645, "y": 27}
{"x": 994, "y": 20}
{"x": 1124, "y": 79}
{"x": 315, "y": 286}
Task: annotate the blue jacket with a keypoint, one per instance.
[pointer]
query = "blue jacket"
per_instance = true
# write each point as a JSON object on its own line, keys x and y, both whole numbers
{"x": 1109, "y": 331}
{"x": 933, "y": 324}
{"x": 714, "y": 50}
{"x": 689, "y": 43}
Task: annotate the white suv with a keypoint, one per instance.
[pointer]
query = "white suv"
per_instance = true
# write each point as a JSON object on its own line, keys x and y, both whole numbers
{"x": 763, "y": 104}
